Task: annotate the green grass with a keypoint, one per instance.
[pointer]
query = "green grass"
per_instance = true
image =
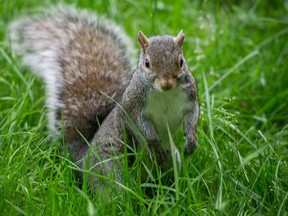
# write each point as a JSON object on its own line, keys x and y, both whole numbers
{"x": 239, "y": 55}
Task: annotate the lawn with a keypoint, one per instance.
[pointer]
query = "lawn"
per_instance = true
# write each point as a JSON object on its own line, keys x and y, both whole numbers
{"x": 238, "y": 53}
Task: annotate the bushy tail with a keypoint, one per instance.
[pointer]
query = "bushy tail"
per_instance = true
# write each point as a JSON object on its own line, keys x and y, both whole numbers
{"x": 41, "y": 39}
{"x": 79, "y": 55}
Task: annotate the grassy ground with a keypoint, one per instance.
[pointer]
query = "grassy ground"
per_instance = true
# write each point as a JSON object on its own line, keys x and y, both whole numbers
{"x": 239, "y": 55}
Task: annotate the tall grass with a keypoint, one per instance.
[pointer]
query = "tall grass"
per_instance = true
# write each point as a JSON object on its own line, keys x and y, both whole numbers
{"x": 238, "y": 53}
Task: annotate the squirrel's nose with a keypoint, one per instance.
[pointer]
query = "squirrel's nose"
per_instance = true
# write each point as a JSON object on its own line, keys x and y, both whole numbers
{"x": 166, "y": 83}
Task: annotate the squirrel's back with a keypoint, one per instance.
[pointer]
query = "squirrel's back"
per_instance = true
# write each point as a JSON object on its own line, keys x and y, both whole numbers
{"x": 80, "y": 56}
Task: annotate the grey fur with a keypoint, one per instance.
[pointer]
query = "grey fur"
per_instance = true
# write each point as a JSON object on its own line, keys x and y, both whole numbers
{"x": 163, "y": 52}
{"x": 81, "y": 55}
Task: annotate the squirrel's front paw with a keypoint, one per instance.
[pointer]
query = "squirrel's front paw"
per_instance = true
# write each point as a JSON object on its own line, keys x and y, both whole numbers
{"x": 190, "y": 146}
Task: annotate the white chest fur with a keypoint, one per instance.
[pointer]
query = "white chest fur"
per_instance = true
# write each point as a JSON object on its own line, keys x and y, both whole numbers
{"x": 164, "y": 109}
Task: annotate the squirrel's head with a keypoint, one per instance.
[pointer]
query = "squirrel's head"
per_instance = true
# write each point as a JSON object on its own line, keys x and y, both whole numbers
{"x": 162, "y": 59}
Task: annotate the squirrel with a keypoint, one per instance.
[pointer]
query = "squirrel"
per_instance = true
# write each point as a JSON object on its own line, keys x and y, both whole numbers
{"x": 96, "y": 94}
{"x": 161, "y": 95}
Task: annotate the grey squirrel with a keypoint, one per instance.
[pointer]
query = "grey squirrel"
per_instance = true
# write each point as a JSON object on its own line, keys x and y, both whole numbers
{"x": 88, "y": 66}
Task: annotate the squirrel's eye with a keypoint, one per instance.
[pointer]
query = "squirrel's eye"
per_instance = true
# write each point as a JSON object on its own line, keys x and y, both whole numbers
{"x": 147, "y": 63}
{"x": 181, "y": 62}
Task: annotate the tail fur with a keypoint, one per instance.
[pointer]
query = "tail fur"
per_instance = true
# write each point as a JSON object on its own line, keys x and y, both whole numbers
{"x": 79, "y": 55}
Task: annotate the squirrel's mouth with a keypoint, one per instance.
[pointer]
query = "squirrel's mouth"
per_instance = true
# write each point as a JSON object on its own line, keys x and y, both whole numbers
{"x": 164, "y": 84}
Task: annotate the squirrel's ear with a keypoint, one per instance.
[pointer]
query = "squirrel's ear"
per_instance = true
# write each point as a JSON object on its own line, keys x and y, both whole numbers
{"x": 180, "y": 38}
{"x": 143, "y": 40}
